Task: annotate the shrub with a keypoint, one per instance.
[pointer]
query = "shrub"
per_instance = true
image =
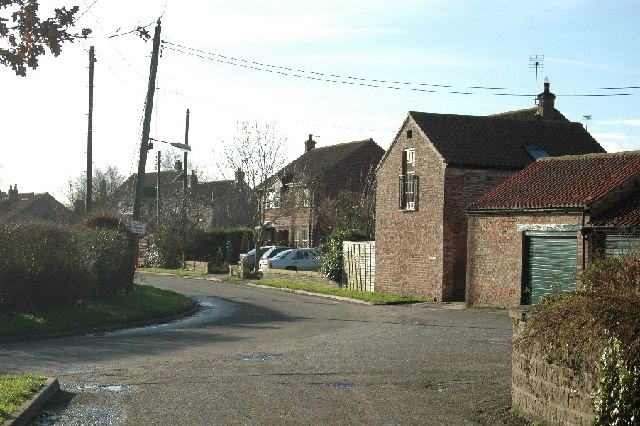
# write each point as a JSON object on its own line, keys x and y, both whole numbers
{"x": 596, "y": 326}
{"x": 332, "y": 260}
{"x": 45, "y": 265}
{"x": 40, "y": 266}
{"x": 109, "y": 261}
{"x": 104, "y": 220}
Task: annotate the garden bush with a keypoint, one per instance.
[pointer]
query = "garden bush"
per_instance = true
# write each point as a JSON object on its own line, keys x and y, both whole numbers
{"x": 46, "y": 265}
{"x": 595, "y": 327}
{"x": 332, "y": 260}
{"x": 40, "y": 266}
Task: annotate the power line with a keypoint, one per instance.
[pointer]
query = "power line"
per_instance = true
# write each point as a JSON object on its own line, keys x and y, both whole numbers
{"x": 359, "y": 81}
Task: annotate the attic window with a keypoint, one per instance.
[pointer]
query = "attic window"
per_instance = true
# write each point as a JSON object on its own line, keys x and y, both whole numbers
{"x": 536, "y": 152}
{"x": 409, "y": 134}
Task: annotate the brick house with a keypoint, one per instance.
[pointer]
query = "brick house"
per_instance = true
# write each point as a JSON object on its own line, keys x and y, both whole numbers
{"x": 223, "y": 204}
{"x": 437, "y": 165}
{"x": 532, "y": 233}
{"x": 296, "y": 192}
{"x": 27, "y": 206}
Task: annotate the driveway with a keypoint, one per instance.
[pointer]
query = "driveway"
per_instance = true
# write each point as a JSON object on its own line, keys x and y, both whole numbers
{"x": 257, "y": 356}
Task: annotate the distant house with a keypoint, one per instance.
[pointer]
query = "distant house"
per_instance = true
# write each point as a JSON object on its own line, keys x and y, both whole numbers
{"x": 21, "y": 207}
{"x": 531, "y": 234}
{"x": 225, "y": 203}
{"x": 232, "y": 202}
{"x": 439, "y": 164}
{"x": 296, "y": 192}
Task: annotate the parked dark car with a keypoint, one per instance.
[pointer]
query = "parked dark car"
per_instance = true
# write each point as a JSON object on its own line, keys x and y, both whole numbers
{"x": 266, "y": 252}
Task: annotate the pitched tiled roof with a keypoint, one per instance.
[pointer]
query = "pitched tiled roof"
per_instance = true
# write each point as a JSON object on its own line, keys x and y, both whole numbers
{"x": 529, "y": 114}
{"x": 624, "y": 215}
{"x": 317, "y": 161}
{"x": 21, "y": 208}
{"x": 562, "y": 182}
{"x": 496, "y": 142}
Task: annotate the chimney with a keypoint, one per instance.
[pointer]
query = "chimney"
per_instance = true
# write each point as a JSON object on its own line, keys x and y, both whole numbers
{"x": 309, "y": 144}
{"x": 239, "y": 176}
{"x": 546, "y": 102}
{"x": 178, "y": 165}
{"x": 13, "y": 193}
{"x": 193, "y": 179}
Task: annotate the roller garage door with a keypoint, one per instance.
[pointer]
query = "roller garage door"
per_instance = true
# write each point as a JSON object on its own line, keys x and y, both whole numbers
{"x": 550, "y": 263}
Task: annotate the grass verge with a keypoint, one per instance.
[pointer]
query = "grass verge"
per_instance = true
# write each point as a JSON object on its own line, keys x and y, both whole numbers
{"x": 179, "y": 272}
{"x": 366, "y": 296}
{"x": 16, "y": 389}
{"x": 142, "y": 303}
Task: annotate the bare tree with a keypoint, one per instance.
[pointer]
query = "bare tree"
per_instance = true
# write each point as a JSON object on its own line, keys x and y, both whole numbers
{"x": 257, "y": 151}
{"x": 106, "y": 195}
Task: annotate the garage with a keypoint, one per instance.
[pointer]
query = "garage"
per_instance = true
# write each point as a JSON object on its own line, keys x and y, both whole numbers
{"x": 550, "y": 264}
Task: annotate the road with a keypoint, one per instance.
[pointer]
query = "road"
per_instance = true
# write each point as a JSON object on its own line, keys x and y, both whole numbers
{"x": 257, "y": 356}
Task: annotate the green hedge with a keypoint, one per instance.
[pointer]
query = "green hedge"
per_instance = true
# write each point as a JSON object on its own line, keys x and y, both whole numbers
{"x": 45, "y": 265}
{"x": 332, "y": 260}
{"x": 220, "y": 247}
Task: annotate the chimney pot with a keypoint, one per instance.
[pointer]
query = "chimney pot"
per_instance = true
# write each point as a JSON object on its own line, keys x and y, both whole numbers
{"x": 309, "y": 144}
{"x": 546, "y": 102}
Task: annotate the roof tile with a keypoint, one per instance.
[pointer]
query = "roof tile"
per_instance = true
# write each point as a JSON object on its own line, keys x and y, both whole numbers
{"x": 556, "y": 182}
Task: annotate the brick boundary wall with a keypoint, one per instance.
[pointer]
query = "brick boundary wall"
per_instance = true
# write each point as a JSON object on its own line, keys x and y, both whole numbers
{"x": 554, "y": 394}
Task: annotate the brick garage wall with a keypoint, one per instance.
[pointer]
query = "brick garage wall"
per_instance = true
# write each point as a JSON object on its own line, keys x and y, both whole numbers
{"x": 463, "y": 186}
{"x": 409, "y": 243}
{"x": 549, "y": 392}
{"x": 494, "y": 255}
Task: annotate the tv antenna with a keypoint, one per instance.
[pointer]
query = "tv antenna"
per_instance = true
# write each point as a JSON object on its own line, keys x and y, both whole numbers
{"x": 536, "y": 62}
{"x": 586, "y": 120}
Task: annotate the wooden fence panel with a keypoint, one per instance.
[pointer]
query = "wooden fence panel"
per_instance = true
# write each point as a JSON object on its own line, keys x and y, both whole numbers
{"x": 359, "y": 264}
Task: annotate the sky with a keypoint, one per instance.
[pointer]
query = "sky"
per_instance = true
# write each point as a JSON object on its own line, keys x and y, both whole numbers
{"x": 341, "y": 70}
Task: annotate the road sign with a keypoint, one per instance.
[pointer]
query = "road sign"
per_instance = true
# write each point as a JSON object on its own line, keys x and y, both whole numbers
{"x": 138, "y": 227}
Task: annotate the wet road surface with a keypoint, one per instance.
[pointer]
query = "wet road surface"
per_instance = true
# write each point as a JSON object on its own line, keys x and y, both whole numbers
{"x": 254, "y": 356}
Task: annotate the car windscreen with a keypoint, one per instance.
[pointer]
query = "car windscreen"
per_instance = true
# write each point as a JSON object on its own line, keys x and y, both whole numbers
{"x": 282, "y": 254}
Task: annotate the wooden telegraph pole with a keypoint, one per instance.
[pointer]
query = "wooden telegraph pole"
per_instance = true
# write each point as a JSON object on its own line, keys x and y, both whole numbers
{"x": 186, "y": 142}
{"x": 144, "y": 148}
{"x": 88, "y": 203}
{"x": 146, "y": 125}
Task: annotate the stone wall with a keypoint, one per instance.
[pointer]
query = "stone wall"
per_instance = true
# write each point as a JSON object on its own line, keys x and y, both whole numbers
{"x": 554, "y": 394}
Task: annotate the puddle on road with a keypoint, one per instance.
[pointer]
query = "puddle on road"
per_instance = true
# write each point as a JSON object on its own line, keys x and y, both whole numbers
{"x": 255, "y": 357}
{"x": 80, "y": 415}
{"x": 95, "y": 388}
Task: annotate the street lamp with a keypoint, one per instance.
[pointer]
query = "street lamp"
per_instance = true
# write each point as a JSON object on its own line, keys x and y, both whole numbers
{"x": 181, "y": 146}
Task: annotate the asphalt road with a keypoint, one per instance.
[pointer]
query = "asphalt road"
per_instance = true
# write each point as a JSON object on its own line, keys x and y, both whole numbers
{"x": 255, "y": 356}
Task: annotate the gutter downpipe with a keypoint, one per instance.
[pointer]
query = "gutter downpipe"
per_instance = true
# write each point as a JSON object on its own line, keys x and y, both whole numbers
{"x": 583, "y": 232}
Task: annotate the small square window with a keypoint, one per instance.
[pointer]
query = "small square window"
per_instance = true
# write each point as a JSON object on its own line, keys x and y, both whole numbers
{"x": 409, "y": 134}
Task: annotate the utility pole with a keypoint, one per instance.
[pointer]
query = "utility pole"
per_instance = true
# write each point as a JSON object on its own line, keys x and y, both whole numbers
{"x": 158, "y": 191}
{"x": 186, "y": 142}
{"x": 146, "y": 125}
{"x": 144, "y": 148}
{"x": 88, "y": 203}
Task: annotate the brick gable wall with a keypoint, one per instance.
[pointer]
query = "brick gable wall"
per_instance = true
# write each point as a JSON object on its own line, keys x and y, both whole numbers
{"x": 409, "y": 243}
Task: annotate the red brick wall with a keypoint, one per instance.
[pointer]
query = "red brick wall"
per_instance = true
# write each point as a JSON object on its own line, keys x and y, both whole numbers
{"x": 494, "y": 255}
{"x": 409, "y": 243}
{"x": 462, "y": 187}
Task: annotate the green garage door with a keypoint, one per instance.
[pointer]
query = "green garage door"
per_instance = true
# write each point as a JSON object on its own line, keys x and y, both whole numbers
{"x": 618, "y": 245}
{"x": 550, "y": 262}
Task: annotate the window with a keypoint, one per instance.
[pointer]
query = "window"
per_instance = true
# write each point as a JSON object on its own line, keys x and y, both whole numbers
{"x": 273, "y": 199}
{"x": 301, "y": 238}
{"x": 408, "y": 182}
{"x": 536, "y": 152}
